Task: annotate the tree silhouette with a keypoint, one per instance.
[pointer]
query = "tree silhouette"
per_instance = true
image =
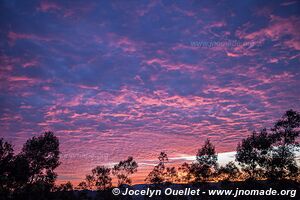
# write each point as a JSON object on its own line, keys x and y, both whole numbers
{"x": 32, "y": 169}
{"x": 286, "y": 128}
{"x": 272, "y": 154}
{"x": 42, "y": 155}
{"x": 282, "y": 163}
{"x": 163, "y": 158}
{"x": 206, "y": 164}
{"x": 20, "y": 172}
{"x": 253, "y": 153}
{"x": 156, "y": 176}
{"x": 185, "y": 173}
{"x": 66, "y": 187}
{"x": 90, "y": 181}
{"x": 82, "y": 186}
{"x": 6, "y": 160}
{"x": 65, "y": 191}
{"x": 171, "y": 175}
{"x": 101, "y": 177}
{"x": 207, "y": 154}
{"x": 229, "y": 172}
{"x": 124, "y": 169}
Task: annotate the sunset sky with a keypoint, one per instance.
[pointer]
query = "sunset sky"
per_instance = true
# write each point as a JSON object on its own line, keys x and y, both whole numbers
{"x": 132, "y": 78}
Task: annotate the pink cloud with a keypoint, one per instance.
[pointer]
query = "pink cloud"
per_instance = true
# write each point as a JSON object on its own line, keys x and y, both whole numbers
{"x": 125, "y": 43}
{"x": 31, "y": 63}
{"x": 174, "y": 66}
{"x": 21, "y": 78}
{"x": 46, "y": 6}
{"x": 13, "y": 36}
{"x": 232, "y": 54}
{"x": 278, "y": 28}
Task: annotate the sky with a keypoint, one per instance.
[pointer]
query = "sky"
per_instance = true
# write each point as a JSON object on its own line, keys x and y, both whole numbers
{"x": 115, "y": 79}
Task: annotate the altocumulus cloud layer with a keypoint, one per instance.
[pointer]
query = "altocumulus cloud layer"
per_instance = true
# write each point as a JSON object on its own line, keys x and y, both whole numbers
{"x": 119, "y": 78}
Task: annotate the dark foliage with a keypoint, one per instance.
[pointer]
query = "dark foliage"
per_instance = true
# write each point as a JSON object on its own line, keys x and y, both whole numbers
{"x": 282, "y": 163}
{"x": 30, "y": 174}
{"x": 271, "y": 155}
{"x": 229, "y": 172}
{"x": 206, "y": 165}
{"x": 253, "y": 153}
{"x": 6, "y": 163}
{"x": 124, "y": 169}
{"x": 156, "y": 176}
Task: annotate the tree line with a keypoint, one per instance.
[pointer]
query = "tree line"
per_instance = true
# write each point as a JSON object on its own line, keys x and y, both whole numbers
{"x": 268, "y": 154}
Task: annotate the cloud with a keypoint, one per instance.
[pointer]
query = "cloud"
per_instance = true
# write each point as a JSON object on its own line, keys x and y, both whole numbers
{"x": 46, "y": 6}
{"x": 113, "y": 79}
{"x": 278, "y": 28}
